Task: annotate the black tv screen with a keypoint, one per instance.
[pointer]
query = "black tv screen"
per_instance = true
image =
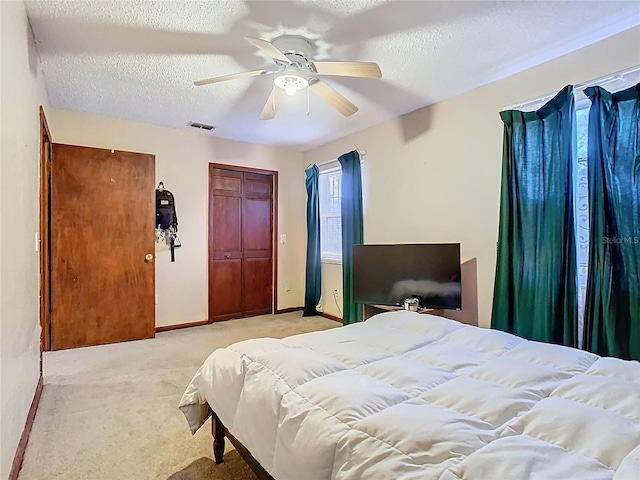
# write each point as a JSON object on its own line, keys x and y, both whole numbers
{"x": 389, "y": 274}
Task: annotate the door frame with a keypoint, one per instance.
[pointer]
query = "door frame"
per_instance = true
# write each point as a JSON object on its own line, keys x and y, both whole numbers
{"x": 274, "y": 215}
{"x": 44, "y": 239}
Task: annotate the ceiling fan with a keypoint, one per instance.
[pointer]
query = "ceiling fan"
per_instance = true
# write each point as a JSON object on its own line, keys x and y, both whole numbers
{"x": 296, "y": 71}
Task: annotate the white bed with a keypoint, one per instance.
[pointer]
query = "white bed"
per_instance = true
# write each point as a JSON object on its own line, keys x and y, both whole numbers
{"x": 410, "y": 396}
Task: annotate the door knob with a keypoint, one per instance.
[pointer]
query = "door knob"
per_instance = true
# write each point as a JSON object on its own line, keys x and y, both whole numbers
{"x": 148, "y": 257}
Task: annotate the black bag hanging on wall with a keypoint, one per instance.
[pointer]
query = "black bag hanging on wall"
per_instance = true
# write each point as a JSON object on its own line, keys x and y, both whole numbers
{"x": 166, "y": 218}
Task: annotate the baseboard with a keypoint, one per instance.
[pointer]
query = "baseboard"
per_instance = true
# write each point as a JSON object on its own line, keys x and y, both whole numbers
{"x": 331, "y": 317}
{"x": 24, "y": 439}
{"x": 289, "y": 310}
{"x": 167, "y": 328}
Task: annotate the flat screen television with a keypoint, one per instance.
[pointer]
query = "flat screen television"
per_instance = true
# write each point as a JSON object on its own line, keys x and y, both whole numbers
{"x": 389, "y": 274}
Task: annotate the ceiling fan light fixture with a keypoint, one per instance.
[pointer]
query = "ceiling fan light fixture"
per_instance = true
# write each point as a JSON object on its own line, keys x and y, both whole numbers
{"x": 291, "y": 83}
{"x": 290, "y": 90}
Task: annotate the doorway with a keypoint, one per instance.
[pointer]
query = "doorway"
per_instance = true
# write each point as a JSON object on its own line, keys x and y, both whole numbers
{"x": 102, "y": 272}
{"x": 242, "y": 246}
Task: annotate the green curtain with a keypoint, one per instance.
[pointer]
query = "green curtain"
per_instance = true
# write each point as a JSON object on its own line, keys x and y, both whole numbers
{"x": 352, "y": 230}
{"x": 313, "y": 282}
{"x": 535, "y": 287}
{"x": 612, "y": 308}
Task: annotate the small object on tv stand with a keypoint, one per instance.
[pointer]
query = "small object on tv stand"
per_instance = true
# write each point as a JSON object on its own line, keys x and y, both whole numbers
{"x": 412, "y": 304}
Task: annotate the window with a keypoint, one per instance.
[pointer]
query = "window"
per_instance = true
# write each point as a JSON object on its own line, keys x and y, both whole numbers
{"x": 582, "y": 207}
{"x": 330, "y": 216}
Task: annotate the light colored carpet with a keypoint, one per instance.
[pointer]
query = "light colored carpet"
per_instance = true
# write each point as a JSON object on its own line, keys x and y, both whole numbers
{"x": 110, "y": 412}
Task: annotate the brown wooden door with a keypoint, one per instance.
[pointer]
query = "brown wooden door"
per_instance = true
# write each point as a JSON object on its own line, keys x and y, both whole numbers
{"x": 103, "y": 215}
{"x": 257, "y": 238}
{"x": 225, "y": 245}
{"x": 240, "y": 243}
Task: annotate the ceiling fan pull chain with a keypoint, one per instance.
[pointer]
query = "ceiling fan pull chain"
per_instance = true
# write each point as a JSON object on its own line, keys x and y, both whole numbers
{"x": 308, "y": 102}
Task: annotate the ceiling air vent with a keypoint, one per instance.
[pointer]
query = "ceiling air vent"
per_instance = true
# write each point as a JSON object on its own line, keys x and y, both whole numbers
{"x": 202, "y": 126}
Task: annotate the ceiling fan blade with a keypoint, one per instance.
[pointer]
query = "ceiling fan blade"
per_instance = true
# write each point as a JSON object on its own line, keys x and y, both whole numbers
{"x": 333, "y": 98}
{"x": 268, "y": 48}
{"x": 269, "y": 110}
{"x": 232, "y": 76}
{"x": 348, "y": 69}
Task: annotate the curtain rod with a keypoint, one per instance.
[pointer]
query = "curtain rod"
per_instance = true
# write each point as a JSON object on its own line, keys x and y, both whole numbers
{"x": 609, "y": 78}
{"x": 361, "y": 152}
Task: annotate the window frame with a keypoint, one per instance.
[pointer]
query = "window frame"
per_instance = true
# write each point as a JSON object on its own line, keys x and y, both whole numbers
{"x": 329, "y": 256}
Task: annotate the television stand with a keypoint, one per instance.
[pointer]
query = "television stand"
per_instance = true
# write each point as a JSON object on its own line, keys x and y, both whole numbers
{"x": 370, "y": 310}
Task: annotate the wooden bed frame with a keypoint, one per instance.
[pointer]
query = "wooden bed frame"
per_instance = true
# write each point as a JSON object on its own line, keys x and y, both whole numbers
{"x": 219, "y": 432}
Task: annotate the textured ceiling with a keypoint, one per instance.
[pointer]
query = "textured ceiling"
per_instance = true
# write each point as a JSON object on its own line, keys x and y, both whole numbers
{"x": 137, "y": 59}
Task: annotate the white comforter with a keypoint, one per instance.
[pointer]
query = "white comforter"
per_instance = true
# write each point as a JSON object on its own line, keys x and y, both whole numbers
{"x": 410, "y": 396}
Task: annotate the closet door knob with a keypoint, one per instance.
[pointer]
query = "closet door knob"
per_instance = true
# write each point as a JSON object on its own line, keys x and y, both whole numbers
{"x": 148, "y": 257}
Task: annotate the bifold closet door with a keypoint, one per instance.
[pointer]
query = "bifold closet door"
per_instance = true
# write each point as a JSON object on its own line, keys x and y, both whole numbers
{"x": 257, "y": 235}
{"x": 240, "y": 243}
{"x": 102, "y": 229}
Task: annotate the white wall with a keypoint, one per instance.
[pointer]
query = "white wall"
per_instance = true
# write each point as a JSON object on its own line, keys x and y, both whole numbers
{"x": 182, "y": 160}
{"x": 434, "y": 174}
{"x": 22, "y": 91}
